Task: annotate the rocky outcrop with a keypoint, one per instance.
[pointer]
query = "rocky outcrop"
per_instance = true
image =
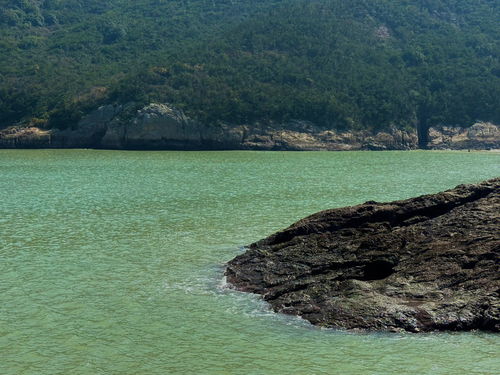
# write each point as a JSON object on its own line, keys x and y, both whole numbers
{"x": 160, "y": 126}
{"x": 422, "y": 264}
{"x": 24, "y": 137}
{"x": 481, "y": 135}
{"x": 304, "y": 136}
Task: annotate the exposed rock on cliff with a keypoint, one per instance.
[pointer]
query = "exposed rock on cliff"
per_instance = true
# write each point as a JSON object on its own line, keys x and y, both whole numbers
{"x": 160, "y": 126}
{"x": 24, "y": 137}
{"x": 422, "y": 264}
{"x": 481, "y": 135}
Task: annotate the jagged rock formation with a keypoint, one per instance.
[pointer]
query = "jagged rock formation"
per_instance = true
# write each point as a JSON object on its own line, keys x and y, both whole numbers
{"x": 162, "y": 127}
{"x": 24, "y": 137}
{"x": 422, "y": 264}
{"x": 481, "y": 135}
{"x": 159, "y": 126}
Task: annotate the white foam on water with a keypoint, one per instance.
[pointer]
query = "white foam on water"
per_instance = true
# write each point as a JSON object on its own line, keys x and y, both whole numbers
{"x": 251, "y": 305}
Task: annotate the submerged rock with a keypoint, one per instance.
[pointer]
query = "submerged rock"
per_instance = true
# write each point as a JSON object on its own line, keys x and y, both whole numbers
{"x": 422, "y": 264}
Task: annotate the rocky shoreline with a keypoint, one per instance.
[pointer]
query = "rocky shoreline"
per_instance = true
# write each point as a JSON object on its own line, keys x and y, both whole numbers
{"x": 161, "y": 127}
{"x": 422, "y": 264}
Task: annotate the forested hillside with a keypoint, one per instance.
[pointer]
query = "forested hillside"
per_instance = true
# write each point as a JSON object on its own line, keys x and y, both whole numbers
{"x": 363, "y": 64}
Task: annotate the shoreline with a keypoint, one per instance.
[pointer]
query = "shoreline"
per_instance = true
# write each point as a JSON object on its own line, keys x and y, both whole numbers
{"x": 162, "y": 127}
{"x": 464, "y": 150}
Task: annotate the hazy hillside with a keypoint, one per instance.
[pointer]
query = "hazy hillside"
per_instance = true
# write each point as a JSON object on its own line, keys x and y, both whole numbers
{"x": 339, "y": 64}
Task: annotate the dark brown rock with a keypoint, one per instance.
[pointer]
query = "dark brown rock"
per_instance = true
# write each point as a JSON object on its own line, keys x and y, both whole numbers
{"x": 422, "y": 264}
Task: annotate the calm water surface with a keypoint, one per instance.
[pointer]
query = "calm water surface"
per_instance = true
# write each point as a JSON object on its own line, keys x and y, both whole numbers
{"x": 111, "y": 262}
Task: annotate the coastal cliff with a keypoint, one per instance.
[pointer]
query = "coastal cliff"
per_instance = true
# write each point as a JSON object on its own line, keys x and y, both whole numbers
{"x": 160, "y": 126}
{"x": 421, "y": 264}
{"x": 482, "y": 135}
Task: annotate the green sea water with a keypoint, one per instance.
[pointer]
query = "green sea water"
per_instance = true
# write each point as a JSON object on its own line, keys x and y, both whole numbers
{"x": 112, "y": 262}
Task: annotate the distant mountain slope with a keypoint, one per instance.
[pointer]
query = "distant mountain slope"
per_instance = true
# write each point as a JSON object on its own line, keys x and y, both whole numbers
{"x": 55, "y": 50}
{"x": 341, "y": 65}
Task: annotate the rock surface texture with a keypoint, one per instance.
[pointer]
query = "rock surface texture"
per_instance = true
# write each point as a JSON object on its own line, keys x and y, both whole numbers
{"x": 481, "y": 135}
{"x": 162, "y": 127}
{"x": 422, "y": 264}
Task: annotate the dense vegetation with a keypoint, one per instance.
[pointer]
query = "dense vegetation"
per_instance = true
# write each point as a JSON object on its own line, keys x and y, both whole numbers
{"x": 339, "y": 64}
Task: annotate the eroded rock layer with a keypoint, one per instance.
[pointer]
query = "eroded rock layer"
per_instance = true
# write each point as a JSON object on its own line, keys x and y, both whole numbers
{"x": 422, "y": 264}
{"x": 162, "y": 127}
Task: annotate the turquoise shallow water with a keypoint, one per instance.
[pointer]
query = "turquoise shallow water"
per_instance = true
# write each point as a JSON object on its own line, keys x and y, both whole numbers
{"x": 111, "y": 262}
